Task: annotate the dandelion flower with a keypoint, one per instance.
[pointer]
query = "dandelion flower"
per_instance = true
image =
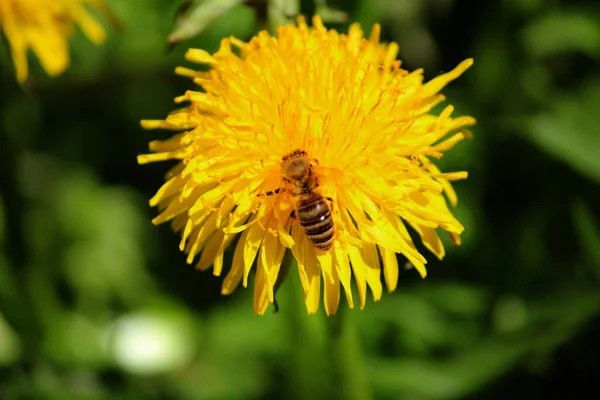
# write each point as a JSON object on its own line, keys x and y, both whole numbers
{"x": 45, "y": 26}
{"x": 364, "y": 123}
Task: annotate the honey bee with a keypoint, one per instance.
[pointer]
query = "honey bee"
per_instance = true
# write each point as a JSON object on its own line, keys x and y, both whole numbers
{"x": 311, "y": 208}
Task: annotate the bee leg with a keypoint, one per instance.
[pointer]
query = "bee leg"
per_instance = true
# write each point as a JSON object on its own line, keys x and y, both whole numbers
{"x": 271, "y": 192}
{"x": 293, "y": 214}
{"x": 330, "y": 202}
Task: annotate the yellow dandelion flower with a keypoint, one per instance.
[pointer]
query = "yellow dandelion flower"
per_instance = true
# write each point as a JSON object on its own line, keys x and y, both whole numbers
{"x": 315, "y": 142}
{"x": 44, "y": 26}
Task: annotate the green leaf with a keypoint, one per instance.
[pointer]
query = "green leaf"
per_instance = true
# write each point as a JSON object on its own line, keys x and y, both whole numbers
{"x": 10, "y": 345}
{"x": 510, "y": 314}
{"x": 487, "y": 359}
{"x": 525, "y": 7}
{"x": 328, "y": 14}
{"x": 455, "y": 378}
{"x": 570, "y": 132}
{"x": 214, "y": 377}
{"x": 588, "y": 232}
{"x": 493, "y": 55}
{"x": 348, "y": 369}
{"x": 456, "y": 298}
{"x": 563, "y": 32}
{"x": 75, "y": 340}
{"x": 3, "y": 222}
{"x": 281, "y": 12}
{"x": 195, "y": 17}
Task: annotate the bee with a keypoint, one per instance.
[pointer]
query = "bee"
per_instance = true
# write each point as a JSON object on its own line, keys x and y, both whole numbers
{"x": 311, "y": 208}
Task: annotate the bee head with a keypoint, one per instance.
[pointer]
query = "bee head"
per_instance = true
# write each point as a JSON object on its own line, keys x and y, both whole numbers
{"x": 295, "y": 166}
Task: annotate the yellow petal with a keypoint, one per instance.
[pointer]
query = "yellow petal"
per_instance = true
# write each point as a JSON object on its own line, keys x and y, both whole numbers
{"x": 360, "y": 273}
{"x": 431, "y": 240}
{"x": 326, "y": 264}
{"x": 388, "y": 237}
{"x": 308, "y": 268}
{"x": 299, "y": 253}
{"x": 283, "y": 232}
{"x": 234, "y": 277}
{"x": 178, "y": 206}
{"x": 214, "y": 251}
{"x": 200, "y": 56}
{"x": 261, "y": 300}
{"x": 375, "y": 33}
{"x": 331, "y": 293}
{"x": 271, "y": 256}
{"x": 206, "y": 230}
{"x": 342, "y": 268}
{"x": 448, "y": 189}
{"x": 171, "y": 187}
{"x": 251, "y": 246}
{"x": 373, "y": 270}
{"x": 435, "y": 85}
{"x": 167, "y": 155}
{"x": 450, "y": 142}
{"x": 314, "y": 289}
{"x": 90, "y": 27}
{"x": 51, "y": 49}
{"x": 390, "y": 268}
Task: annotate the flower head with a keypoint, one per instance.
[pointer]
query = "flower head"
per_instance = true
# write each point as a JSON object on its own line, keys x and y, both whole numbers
{"x": 44, "y": 26}
{"x": 308, "y": 111}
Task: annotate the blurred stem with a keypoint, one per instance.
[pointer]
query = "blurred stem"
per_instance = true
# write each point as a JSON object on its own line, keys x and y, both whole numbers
{"x": 307, "y": 372}
{"x": 15, "y": 298}
{"x": 349, "y": 380}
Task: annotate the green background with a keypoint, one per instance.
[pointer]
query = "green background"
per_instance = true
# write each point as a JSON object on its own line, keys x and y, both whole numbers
{"x": 96, "y": 303}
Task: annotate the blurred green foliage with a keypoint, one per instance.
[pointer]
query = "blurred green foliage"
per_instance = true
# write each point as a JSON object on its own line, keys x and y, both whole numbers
{"x": 96, "y": 303}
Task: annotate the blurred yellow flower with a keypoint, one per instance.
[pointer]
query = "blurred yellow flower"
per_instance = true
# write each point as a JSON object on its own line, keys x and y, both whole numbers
{"x": 45, "y": 26}
{"x": 351, "y": 126}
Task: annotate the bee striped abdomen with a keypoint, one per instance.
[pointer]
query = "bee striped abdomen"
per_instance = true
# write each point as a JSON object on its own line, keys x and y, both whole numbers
{"x": 314, "y": 215}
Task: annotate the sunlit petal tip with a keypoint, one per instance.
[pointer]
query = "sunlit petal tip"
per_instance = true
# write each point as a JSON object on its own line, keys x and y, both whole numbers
{"x": 226, "y": 291}
{"x": 187, "y": 72}
{"x": 199, "y": 56}
{"x": 455, "y": 238}
{"x": 151, "y": 124}
{"x": 468, "y": 134}
{"x": 301, "y": 21}
{"x": 467, "y": 63}
{"x": 461, "y": 68}
{"x": 470, "y": 121}
{"x": 22, "y": 73}
{"x": 158, "y": 221}
{"x": 318, "y": 22}
{"x": 436, "y": 84}
{"x": 375, "y": 33}
{"x": 339, "y": 105}
{"x": 454, "y": 176}
{"x": 153, "y": 202}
